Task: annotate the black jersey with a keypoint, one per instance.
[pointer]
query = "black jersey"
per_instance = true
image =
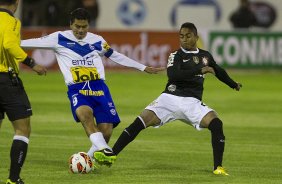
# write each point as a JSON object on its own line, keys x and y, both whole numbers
{"x": 184, "y": 73}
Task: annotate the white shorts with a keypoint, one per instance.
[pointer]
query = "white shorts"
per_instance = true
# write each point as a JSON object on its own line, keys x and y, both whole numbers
{"x": 187, "y": 109}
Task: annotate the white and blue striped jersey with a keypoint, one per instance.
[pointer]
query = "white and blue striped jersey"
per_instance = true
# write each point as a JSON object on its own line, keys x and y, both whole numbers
{"x": 80, "y": 60}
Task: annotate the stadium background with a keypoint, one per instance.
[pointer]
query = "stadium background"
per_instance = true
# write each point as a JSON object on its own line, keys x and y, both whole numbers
{"x": 175, "y": 153}
{"x": 137, "y": 29}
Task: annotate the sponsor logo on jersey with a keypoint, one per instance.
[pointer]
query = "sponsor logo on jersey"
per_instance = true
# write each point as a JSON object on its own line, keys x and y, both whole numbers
{"x": 91, "y": 93}
{"x": 186, "y": 60}
{"x": 171, "y": 88}
{"x": 82, "y": 74}
{"x": 196, "y": 59}
{"x": 205, "y": 61}
{"x": 70, "y": 44}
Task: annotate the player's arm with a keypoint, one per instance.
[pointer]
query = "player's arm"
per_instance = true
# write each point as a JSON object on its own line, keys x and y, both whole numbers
{"x": 125, "y": 61}
{"x": 222, "y": 75}
{"x": 11, "y": 43}
{"x": 121, "y": 59}
{"x": 176, "y": 73}
{"x": 45, "y": 42}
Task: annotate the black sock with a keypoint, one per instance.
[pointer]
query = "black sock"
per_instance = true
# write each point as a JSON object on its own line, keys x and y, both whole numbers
{"x": 128, "y": 135}
{"x": 217, "y": 140}
{"x": 17, "y": 156}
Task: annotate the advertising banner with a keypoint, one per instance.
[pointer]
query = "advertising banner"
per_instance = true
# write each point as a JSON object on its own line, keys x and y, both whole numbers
{"x": 246, "y": 49}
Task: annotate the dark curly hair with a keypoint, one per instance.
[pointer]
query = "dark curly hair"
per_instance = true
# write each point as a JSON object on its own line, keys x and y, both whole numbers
{"x": 79, "y": 14}
{"x": 190, "y": 26}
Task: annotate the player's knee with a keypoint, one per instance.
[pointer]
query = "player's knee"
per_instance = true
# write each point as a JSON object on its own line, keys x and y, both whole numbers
{"x": 216, "y": 125}
{"x": 149, "y": 118}
{"x": 86, "y": 117}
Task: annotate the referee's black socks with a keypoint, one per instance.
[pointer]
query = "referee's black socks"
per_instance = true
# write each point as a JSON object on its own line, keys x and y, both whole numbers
{"x": 217, "y": 140}
{"x": 17, "y": 156}
{"x": 128, "y": 135}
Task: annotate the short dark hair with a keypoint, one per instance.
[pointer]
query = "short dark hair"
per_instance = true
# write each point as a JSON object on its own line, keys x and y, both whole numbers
{"x": 7, "y": 2}
{"x": 190, "y": 26}
{"x": 80, "y": 14}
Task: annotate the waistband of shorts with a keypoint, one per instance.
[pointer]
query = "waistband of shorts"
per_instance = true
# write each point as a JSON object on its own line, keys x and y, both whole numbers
{"x": 81, "y": 84}
{"x": 4, "y": 73}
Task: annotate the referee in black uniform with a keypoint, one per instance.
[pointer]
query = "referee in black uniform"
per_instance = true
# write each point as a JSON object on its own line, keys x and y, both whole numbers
{"x": 13, "y": 99}
{"x": 181, "y": 99}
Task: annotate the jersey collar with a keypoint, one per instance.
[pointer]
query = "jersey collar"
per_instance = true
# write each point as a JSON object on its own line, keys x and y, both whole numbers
{"x": 7, "y": 11}
{"x": 193, "y": 52}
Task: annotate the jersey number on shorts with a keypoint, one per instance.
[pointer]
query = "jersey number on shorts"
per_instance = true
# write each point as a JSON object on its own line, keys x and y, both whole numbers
{"x": 81, "y": 74}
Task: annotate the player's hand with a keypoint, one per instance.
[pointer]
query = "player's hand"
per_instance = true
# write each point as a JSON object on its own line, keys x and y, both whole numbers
{"x": 153, "y": 70}
{"x": 207, "y": 69}
{"x": 40, "y": 70}
{"x": 238, "y": 87}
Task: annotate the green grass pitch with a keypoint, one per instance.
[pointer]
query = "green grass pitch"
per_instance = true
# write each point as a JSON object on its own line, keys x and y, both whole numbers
{"x": 174, "y": 153}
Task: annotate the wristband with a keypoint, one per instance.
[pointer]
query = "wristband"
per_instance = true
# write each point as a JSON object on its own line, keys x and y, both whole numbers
{"x": 29, "y": 62}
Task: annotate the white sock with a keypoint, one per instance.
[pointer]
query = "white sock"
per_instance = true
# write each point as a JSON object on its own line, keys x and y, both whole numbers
{"x": 98, "y": 141}
{"x": 92, "y": 150}
{"x": 21, "y": 138}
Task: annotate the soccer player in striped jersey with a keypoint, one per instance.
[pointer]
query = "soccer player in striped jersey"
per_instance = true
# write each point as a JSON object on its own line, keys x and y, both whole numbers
{"x": 182, "y": 97}
{"x": 79, "y": 54}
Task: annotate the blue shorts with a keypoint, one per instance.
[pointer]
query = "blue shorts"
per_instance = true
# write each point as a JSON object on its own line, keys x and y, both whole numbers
{"x": 96, "y": 95}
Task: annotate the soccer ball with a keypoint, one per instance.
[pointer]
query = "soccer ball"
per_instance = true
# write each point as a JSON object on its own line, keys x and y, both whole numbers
{"x": 80, "y": 163}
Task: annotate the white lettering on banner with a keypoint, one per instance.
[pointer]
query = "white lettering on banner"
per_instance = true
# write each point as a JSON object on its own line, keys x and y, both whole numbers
{"x": 266, "y": 51}
{"x": 148, "y": 54}
{"x": 247, "y": 50}
{"x": 233, "y": 44}
{"x": 279, "y": 52}
{"x": 216, "y": 44}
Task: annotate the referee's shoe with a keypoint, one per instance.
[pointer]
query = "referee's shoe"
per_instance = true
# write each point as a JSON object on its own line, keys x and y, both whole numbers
{"x": 105, "y": 157}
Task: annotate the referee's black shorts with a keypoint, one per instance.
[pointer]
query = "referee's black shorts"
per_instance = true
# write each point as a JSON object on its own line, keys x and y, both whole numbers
{"x": 13, "y": 99}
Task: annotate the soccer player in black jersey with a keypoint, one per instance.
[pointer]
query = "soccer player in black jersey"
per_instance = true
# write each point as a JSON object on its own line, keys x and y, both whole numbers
{"x": 181, "y": 99}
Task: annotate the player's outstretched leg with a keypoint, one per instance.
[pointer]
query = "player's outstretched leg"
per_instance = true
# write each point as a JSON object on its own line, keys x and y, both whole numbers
{"x": 218, "y": 143}
{"x": 105, "y": 157}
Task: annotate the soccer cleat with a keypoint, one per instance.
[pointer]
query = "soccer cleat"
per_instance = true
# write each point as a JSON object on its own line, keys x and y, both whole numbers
{"x": 220, "y": 171}
{"x": 19, "y": 181}
{"x": 95, "y": 165}
{"x": 105, "y": 157}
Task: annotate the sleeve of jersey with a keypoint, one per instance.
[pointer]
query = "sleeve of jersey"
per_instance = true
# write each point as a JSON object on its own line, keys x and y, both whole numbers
{"x": 222, "y": 75}
{"x": 45, "y": 42}
{"x": 124, "y": 60}
{"x": 11, "y": 43}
